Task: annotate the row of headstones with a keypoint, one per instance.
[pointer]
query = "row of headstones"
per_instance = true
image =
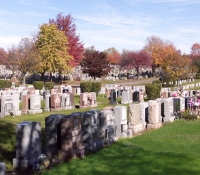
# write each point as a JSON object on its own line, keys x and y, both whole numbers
{"x": 128, "y": 96}
{"x": 181, "y": 81}
{"x": 183, "y": 87}
{"x": 31, "y": 103}
{"x": 69, "y": 136}
{"x": 79, "y": 133}
{"x": 184, "y": 93}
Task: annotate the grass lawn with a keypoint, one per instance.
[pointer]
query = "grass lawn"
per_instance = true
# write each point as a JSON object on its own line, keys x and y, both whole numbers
{"x": 174, "y": 149}
{"x": 8, "y": 124}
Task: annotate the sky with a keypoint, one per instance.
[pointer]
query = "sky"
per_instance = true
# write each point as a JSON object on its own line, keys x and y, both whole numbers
{"x": 122, "y": 24}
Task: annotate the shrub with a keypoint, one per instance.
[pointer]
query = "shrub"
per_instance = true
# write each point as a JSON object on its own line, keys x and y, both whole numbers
{"x": 198, "y": 76}
{"x": 38, "y": 84}
{"x": 48, "y": 85}
{"x": 156, "y": 82}
{"x": 5, "y": 83}
{"x": 96, "y": 87}
{"x": 153, "y": 91}
{"x": 86, "y": 86}
{"x": 187, "y": 115}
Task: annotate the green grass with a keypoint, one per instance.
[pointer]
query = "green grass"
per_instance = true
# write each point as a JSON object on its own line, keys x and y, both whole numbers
{"x": 173, "y": 149}
{"x": 8, "y": 123}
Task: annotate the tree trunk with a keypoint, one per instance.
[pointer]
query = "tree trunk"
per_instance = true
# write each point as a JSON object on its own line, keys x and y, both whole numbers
{"x": 153, "y": 70}
{"x": 24, "y": 80}
{"x": 50, "y": 76}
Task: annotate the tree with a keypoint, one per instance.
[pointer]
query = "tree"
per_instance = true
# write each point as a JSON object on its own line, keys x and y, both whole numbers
{"x": 3, "y": 56}
{"x": 12, "y": 59}
{"x": 195, "y": 55}
{"x": 177, "y": 66}
{"x": 52, "y": 46}
{"x": 74, "y": 46}
{"x": 135, "y": 59}
{"x": 94, "y": 63}
{"x": 28, "y": 57}
{"x": 113, "y": 56}
{"x": 155, "y": 47}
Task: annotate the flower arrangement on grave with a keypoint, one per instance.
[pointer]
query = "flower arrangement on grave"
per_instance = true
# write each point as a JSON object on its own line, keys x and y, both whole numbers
{"x": 41, "y": 164}
{"x": 186, "y": 114}
{"x": 11, "y": 113}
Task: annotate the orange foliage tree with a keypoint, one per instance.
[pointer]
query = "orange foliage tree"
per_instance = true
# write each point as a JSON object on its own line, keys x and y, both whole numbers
{"x": 113, "y": 56}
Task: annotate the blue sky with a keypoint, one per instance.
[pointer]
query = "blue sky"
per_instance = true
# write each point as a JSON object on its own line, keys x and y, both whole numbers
{"x": 123, "y": 24}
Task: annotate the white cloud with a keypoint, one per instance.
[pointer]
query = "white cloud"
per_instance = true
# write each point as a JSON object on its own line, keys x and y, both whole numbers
{"x": 34, "y": 14}
{"x": 7, "y": 42}
{"x": 54, "y": 8}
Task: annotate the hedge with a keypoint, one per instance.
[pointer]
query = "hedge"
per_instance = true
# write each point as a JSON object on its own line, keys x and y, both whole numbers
{"x": 5, "y": 83}
{"x": 38, "y": 85}
{"x": 153, "y": 91}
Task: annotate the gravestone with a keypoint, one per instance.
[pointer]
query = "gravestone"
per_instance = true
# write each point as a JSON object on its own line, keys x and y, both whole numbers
{"x": 108, "y": 93}
{"x": 144, "y": 113}
{"x": 2, "y": 168}
{"x": 126, "y": 97}
{"x": 35, "y": 104}
{"x": 161, "y": 108}
{"x": 136, "y": 122}
{"x": 9, "y": 105}
{"x": 136, "y": 96}
{"x": 84, "y": 100}
{"x": 25, "y": 103}
{"x": 113, "y": 98}
{"x": 67, "y": 101}
{"x": 91, "y": 131}
{"x": 28, "y": 144}
{"x": 176, "y": 105}
{"x": 154, "y": 116}
{"x": 53, "y": 133}
{"x": 107, "y": 126}
{"x": 55, "y": 104}
{"x": 88, "y": 99}
{"x": 71, "y": 137}
{"x": 47, "y": 102}
{"x": 182, "y": 104}
{"x": 141, "y": 95}
{"x": 168, "y": 110}
{"x": 121, "y": 124}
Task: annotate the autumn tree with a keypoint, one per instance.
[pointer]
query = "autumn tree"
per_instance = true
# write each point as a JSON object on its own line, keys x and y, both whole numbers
{"x": 95, "y": 63}
{"x": 27, "y": 57}
{"x": 155, "y": 46}
{"x": 12, "y": 59}
{"x": 113, "y": 56}
{"x": 3, "y": 56}
{"x": 195, "y": 55}
{"x": 74, "y": 46}
{"x": 135, "y": 59}
{"x": 177, "y": 66}
{"x": 52, "y": 45}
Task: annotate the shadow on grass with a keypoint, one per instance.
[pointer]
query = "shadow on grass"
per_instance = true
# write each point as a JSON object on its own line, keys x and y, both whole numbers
{"x": 7, "y": 142}
{"x": 128, "y": 159}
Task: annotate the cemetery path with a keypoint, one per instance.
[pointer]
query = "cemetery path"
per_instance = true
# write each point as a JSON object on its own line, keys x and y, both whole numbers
{"x": 138, "y": 82}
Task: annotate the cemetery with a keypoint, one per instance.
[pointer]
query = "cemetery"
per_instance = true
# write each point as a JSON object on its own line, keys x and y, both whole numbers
{"x": 67, "y": 131}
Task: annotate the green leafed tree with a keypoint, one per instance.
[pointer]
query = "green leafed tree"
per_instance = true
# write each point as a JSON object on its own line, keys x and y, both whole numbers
{"x": 51, "y": 44}
{"x": 95, "y": 63}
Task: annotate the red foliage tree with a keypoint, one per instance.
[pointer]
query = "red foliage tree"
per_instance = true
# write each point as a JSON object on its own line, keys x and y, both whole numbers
{"x": 195, "y": 55}
{"x": 76, "y": 47}
{"x": 95, "y": 63}
{"x": 3, "y": 57}
{"x": 135, "y": 59}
